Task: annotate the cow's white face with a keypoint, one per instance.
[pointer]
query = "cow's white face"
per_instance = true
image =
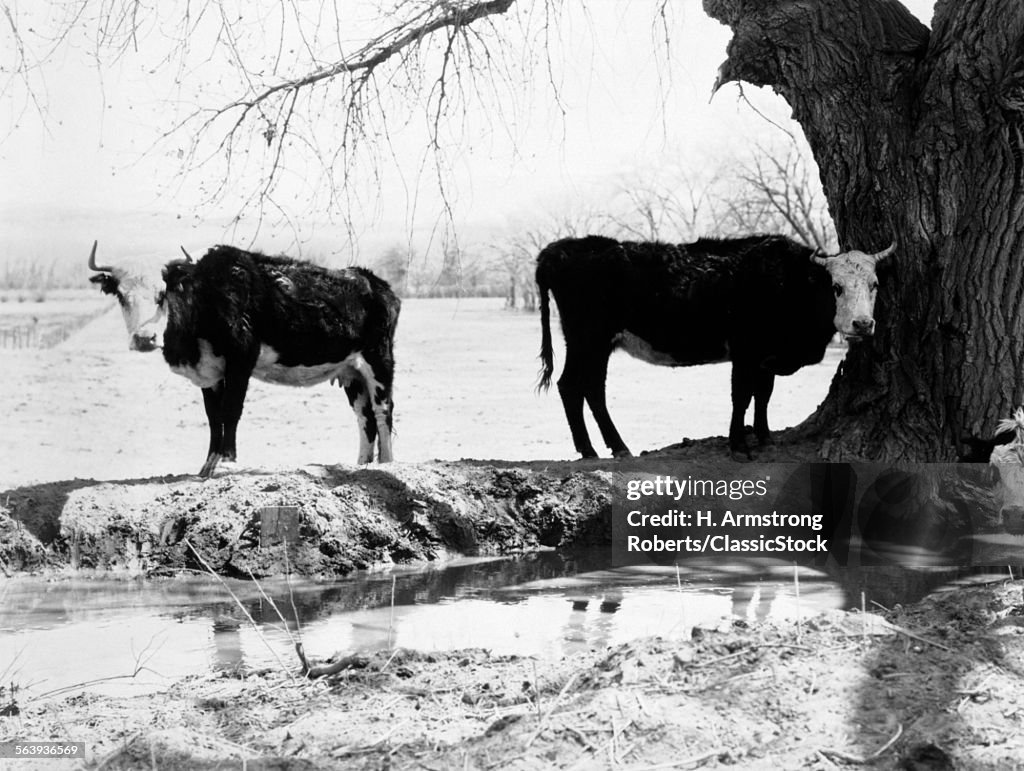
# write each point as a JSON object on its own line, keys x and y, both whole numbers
{"x": 1008, "y": 460}
{"x": 854, "y": 284}
{"x": 138, "y": 287}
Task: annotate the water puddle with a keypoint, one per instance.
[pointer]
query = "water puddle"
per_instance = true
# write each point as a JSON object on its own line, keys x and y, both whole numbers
{"x": 58, "y": 635}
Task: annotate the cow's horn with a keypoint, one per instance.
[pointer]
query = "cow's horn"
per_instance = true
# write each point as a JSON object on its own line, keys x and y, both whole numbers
{"x": 817, "y": 256}
{"x": 885, "y": 252}
{"x": 92, "y": 261}
{"x": 187, "y": 255}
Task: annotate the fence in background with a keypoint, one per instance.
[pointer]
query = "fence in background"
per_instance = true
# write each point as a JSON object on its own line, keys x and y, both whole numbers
{"x": 37, "y": 332}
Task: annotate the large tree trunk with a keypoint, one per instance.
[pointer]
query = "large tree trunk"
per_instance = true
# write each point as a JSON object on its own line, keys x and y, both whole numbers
{"x": 918, "y": 136}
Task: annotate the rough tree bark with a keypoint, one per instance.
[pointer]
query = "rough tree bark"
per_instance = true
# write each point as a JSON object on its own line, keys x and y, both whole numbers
{"x": 918, "y": 135}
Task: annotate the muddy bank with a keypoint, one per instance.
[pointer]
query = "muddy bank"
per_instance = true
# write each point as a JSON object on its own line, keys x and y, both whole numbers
{"x": 317, "y": 521}
{"x": 936, "y": 685}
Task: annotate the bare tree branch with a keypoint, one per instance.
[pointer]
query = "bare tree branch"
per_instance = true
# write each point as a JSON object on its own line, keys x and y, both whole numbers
{"x": 777, "y": 193}
{"x": 274, "y": 90}
{"x": 361, "y": 65}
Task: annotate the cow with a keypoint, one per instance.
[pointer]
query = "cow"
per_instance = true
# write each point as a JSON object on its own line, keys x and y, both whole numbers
{"x": 234, "y": 315}
{"x": 764, "y": 302}
{"x": 1007, "y": 460}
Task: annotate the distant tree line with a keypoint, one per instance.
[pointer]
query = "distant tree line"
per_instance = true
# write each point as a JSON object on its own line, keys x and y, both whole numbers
{"x": 775, "y": 189}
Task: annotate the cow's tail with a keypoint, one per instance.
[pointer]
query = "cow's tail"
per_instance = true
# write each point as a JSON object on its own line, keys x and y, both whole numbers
{"x": 546, "y": 352}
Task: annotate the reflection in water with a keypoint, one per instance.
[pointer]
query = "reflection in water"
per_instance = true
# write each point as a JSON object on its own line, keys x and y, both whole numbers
{"x": 545, "y": 605}
{"x": 227, "y": 645}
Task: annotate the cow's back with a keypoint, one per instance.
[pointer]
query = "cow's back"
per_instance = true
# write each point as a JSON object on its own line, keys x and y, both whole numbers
{"x": 308, "y": 312}
{"x": 305, "y": 312}
{"x": 672, "y": 299}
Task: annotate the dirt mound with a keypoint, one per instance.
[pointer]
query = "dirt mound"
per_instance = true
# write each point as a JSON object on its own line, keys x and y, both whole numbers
{"x": 341, "y": 518}
{"x": 20, "y": 551}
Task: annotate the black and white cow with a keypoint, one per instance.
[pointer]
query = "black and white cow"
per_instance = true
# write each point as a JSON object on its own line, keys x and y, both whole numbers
{"x": 767, "y": 303}
{"x": 235, "y": 314}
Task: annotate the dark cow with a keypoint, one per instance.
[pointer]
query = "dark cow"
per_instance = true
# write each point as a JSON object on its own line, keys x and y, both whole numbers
{"x": 767, "y": 303}
{"x": 235, "y": 314}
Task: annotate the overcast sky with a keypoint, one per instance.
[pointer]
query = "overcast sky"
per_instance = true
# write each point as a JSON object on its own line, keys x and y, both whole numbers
{"x": 625, "y": 107}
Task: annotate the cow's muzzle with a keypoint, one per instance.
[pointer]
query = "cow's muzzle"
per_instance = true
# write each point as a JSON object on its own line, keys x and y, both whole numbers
{"x": 141, "y": 342}
{"x": 862, "y": 327}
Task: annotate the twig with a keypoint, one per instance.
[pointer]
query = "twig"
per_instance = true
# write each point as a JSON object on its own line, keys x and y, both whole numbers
{"x": 255, "y": 626}
{"x": 270, "y": 601}
{"x": 551, "y": 709}
{"x": 921, "y": 639}
{"x": 613, "y": 743}
{"x": 583, "y": 739}
{"x": 291, "y": 593}
{"x": 861, "y": 761}
{"x": 320, "y": 670}
{"x": 140, "y": 666}
{"x": 824, "y": 758}
{"x": 796, "y": 591}
{"x": 863, "y": 620}
{"x": 720, "y": 659}
{"x": 692, "y": 760}
{"x": 390, "y": 658}
{"x": 391, "y": 621}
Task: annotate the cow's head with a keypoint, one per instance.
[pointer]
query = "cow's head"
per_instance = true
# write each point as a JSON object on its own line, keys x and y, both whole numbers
{"x": 178, "y": 289}
{"x": 1008, "y": 462}
{"x": 854, "y": 284}
{"x": 139, "y": 288}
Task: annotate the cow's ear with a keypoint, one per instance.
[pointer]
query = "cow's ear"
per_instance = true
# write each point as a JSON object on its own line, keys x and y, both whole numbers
{"x": 108, "y": 284}
{"x": 177, "y": 276}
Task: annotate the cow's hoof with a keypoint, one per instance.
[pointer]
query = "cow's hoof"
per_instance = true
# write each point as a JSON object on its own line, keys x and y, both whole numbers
{"x": 211, "y": 463}
{"x": 623, "y": 453}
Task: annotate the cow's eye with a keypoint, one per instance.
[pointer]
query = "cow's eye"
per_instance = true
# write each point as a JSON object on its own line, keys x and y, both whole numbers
{"x": 873, "y": 286}
{"x": 108, "y": 284}
{"x": 838, "y": 290}
{"x": 160, "y": 297}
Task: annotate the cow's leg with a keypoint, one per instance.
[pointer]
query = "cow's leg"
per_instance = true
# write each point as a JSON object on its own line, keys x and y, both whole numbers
{"x": 571, "y": 387}
{"x": 359, "y": 399}
{"x": 379, "y": 376}
{"x": 764, "y": 384}
{"x": 214, "y": 416}
{"x": 383, "y": 411}
{"x": 742, "y": 391}
{"x": 595, "y": 395}
{"x": 232, "y": 398}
